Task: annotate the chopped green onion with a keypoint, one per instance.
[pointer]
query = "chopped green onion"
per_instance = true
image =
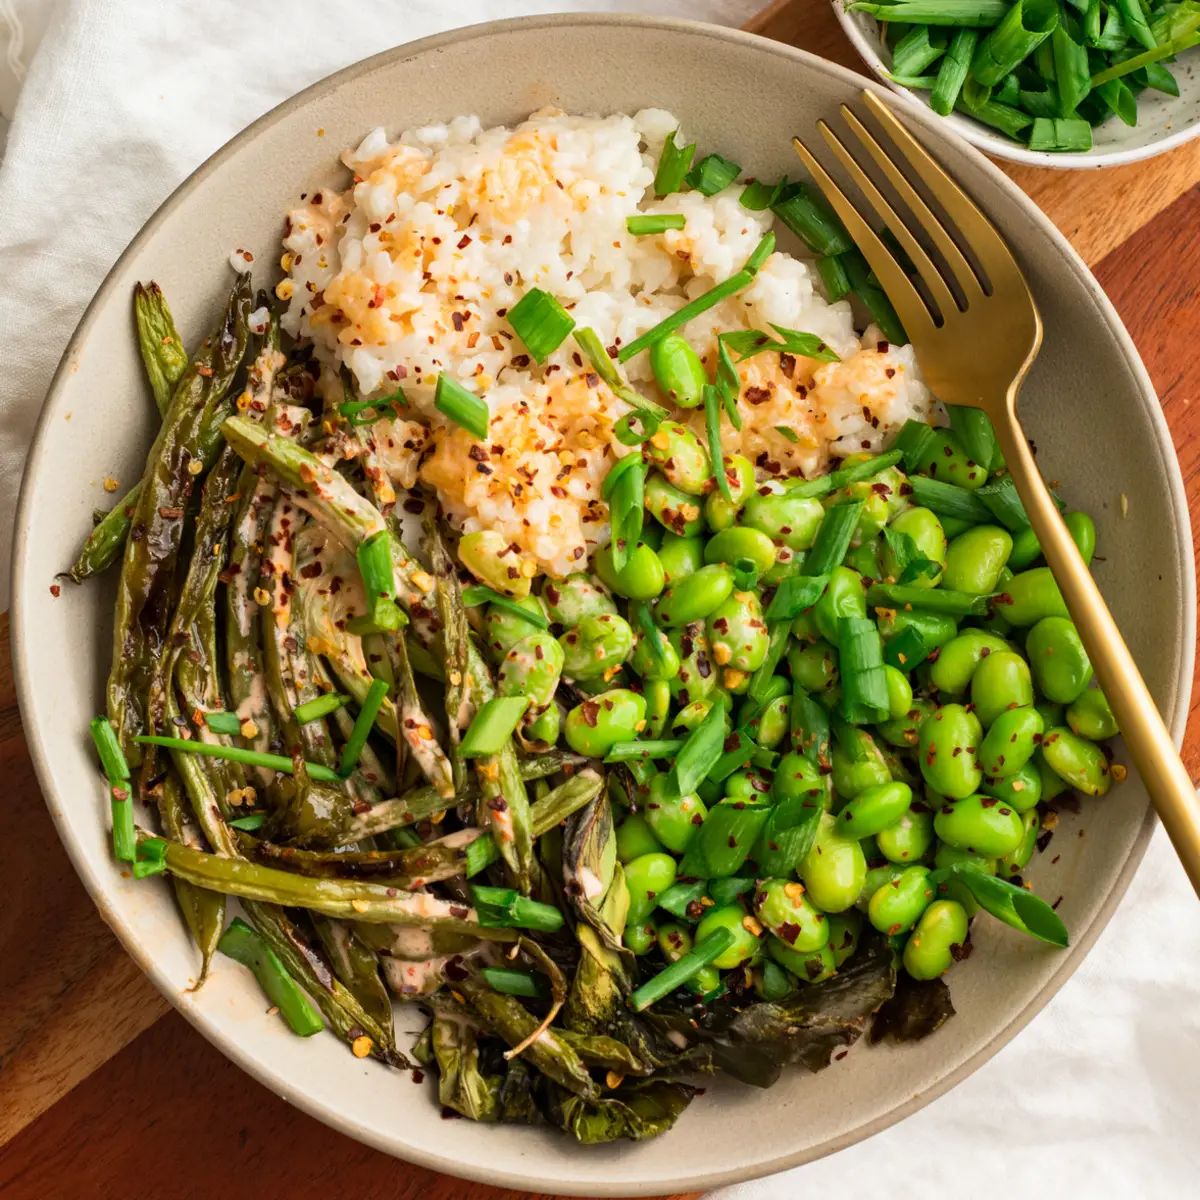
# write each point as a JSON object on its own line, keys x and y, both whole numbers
{"x": 999, "y": 116}
{"x": 758, "y": 196}
{"x": 363, "y": 724}
{"x": 646, "y": 412}
{"x": 949, "y": 500}
{"x": 712, "y": 174}
{"x": 745, "y": 575}
{"x": 860, "y": 472}
{"x": 746, "y": 343}
{"x": 112, "y": 760}
{"x": 1056, "y": 133}
{"x": 953, "y": 71}
{"x": 920, "y": 83}
{"x": 650, "y": 223}
{"x": 726, "y": 891}
{"x": 1134, "y": 19}
{"x": 223, "y": 722}
{"x": 249, "y": 824}
{"x": 760, "y": 681}
{"x": 320, "y": 706}
{"x": 124, "y": 836}
{"x": 809, "y": 727}
{"x": 650, "y": 748}
{"x": 699, "y": 752}
{"x": 476, "y": 594}
{"x": 712, "y": 424}
{"x": 873, "y": 297}
{"x": 673, "y": 166}
{"x": 505, "y": 908}
{"x": 833, "y": 275}
{"x": 913, "y": 442}
{"x": 973, "y": 427}
{"x": 1159, "y": 79}
{"x": 796, "y": 594}
{"x": 860, "y": 662}
{"x": 833, "y": 538}
{"x": 908, "y": 649}
{"x": 626, "y": 507}
{"x": 464, "y": 408}
{"x": 920, "y": 47}
{"x": 353, "y": 410}
{"x": 244, "y": 945}
{"x": 150, "y": 858}
{"x": 911, "y": 564}
{"x": 1071, "y": 71}
{"x": 790, "y": 434}
{"x": 681, "y": 970}
{"x": 479, "y": 855}
{"x": 740, "y": 751}
{"x": 239, "y": 754}
{"x": 936, "y": 12}
{"x": 651, "y": 634}
{"x": 510, "y": 982}
{"x": 729, "y": 382}
{"x": 1004, "y": 504}
{"x": 679, "y": 897}
{"x": 1117, "y": 97}
{"x": 386, "y": 618}
{"x": 811, "y": 220}
{"x": 375, "y": 565}
{"x": 636, "y": 427}
{"x": 1026, "y": 25}
{"x": 492, "y": 726}
{"x": 939, "y": 600}
{"x": 735, "y": 283}
{"x": 540, "y": 322}
{"x": 761, "y": 252}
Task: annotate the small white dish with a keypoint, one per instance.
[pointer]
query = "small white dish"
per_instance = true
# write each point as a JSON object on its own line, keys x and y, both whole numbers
{"x": 1164, "y": 122}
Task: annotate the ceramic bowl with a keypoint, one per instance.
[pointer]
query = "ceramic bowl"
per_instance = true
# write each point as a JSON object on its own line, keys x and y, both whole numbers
{"x": 1090, "y": 407}
{"x": 1164, "y": 122}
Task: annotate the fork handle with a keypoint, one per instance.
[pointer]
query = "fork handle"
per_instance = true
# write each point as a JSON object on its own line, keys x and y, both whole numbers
{"x": 1150, "y": 744}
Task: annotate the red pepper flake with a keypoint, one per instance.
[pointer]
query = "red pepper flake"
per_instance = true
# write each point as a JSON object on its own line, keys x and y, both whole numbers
{"x": 201, "y": 369}
{"x": 55, "y": 590}
{"x": 464, "y": 241}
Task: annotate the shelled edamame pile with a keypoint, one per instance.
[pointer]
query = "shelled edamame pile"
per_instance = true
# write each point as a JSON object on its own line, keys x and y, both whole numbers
{"x": 1044, "y": 72}
{"x": 748, "y": 780}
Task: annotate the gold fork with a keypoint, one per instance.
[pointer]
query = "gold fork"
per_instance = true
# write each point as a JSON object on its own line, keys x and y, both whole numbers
{"x": 975, "y": 350}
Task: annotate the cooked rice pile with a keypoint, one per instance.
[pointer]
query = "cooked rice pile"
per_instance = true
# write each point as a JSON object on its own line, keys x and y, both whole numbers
{"x": 411, "y": 271}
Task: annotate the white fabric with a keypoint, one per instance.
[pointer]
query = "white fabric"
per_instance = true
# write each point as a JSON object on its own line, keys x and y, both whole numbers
{"x": 120, "y": 100}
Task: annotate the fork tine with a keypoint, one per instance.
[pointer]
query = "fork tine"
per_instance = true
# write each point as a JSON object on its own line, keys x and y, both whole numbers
{"x": 935, "y": 285}
{"x": 976, "y": 229}
{"x": 909, "y": 305}
{"x": 933, "y": 227}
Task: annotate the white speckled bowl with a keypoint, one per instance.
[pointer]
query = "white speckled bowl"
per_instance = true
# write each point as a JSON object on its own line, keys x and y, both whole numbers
{"x": 1164, "y": 122}
{"x": 1091, "y": 408}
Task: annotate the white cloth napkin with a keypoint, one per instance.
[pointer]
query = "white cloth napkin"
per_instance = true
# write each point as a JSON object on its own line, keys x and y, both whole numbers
{"x": 121, "y": 99}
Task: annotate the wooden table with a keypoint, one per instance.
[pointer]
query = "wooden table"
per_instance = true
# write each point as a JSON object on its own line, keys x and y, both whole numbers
{"x": 104, "y": 1085}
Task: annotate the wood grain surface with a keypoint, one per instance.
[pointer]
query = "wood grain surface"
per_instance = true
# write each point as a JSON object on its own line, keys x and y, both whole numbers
{"x": 104, "y": 1086}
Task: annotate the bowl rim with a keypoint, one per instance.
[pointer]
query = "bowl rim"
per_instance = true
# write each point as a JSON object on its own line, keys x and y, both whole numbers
{"x": 1000, "y": 147}
{"x": 88, "y": 869}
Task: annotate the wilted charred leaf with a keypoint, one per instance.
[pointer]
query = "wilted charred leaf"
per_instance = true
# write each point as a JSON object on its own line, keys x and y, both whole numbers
{"x": 918, "y": 1008}
{"x": 637, "y": 1111}
{"x": 462, "y": 1087}
{"x": 311, "y": 815}
{"x": 592, "y": 879}
{"x": 756, "y": 1042}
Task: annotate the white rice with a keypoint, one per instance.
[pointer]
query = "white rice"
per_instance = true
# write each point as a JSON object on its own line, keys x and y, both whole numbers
{"x": 410, "y": 272}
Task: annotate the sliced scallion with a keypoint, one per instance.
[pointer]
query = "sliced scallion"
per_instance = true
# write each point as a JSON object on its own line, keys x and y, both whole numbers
{"x": 363, "y": 724}
{"x": 540, "y": 322}
{"x": 712, "y": 174}
{"x": 112, "y": 760}
{"x": 464, "y": 408}
{"x": 757, "y": 195}
{"x": 811, "y": 220}
{"x": 650, "y": 223}
{"x": 244, "y": 945}
{"x": 860, "y": 662}
{"x": 796, "y": 594}
{"x": 506, "y": 908}
{"x": 510, "y": 982}
{"x": 476, "y": 594}
{"x": 1001, "y": 499}
{"x": 493, "y": 725}
{"x": 948, "y": 500}
{"x": 239, "y": 754}
{"x": 320, "y": 706}
{"x": 645, "y": 750}
{"x": 833, "y": 538}
{"x": 712, "y": 425}
{"x": 699, "y": 752}
{"x": 150, "y": 858}
{"x": 250, "y": 823}
{"x": 681, "y": 970}
{"x": 223, "y": 722}
{"x": 673, "y": 166}
{"x": 939, "y": 600}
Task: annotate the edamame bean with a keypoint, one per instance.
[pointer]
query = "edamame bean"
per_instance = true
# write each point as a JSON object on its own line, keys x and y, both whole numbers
{"x": 975, "y": 559}
{"x": 799, "y": 778}
{"x": 697, "y": 677}
{"x": 1059, "y": 663}
{"x": 635, "y": 838}
{"x": 494, "y": 561}
{"x": 865, "y": 560}
{"x": 1052, "y": 783}
{"x": 902, "y": 732}
{"x": 1051, "y": 714}
{"x": 594, "y": 727}
{"x": 909, "y": 839}
{"x": 1026, "y": 549}
{"x": 814, "y": 667}
{"x": 541, "y": 730}
{"x": 771, "y": 725}
{"x": 1001, "y": 681}
{"x": 1022, "y": 789}
{"x": 944, "y": 458}
{"x": 533, "y": 668}
{"x": 844, "y": 928}
{"x": 740, "y": 542}
{"x": 834, "y": 869}
{"x": 647, "y": 877}
{"x": 955, "y": 889}
{"x": 1081, "y": 764}
{"x": 737, "y": 633}
{"x": 940, "y": 933}
{"x": 980, "y": 824}
{"x": 947, "y": 746}
{"x": 732, "y": 917}
{"x": 844, "y": 596}
{"x": 897, "y": 906}
{"x": 503, "y": 630}
{"x": 792, "y": 521}
{"x": 786, "y": 911}
{"x": 1014, "y": 863}
{"x": 693, "y": 598}
{"x": 1010, "y": 741}
{"x": 899, "y": 693}
{"x": 641, "y": 578}
{"x": 882, "y": 497}
{"x": 676, "y": 451}
{"x": 680, "y": 556}
{"x": 927, "y": 533}
{"x": 690, "y": 716}
{"x": 658, "y": 705}
{"x": 813, "y": 967}
{"x": 596, "y": 646}
{"x": 1030, "y": 596}
{"x": 720, "y": 513}
{"x": 746, "y": 785}
{"x": 1082, "y": 529}
{"x": 571, "y": 599}
{"x": 857, "y": 763}
{"x": 639, "y": 937}
{"x": 874, "y": 879}
{"x": 673, "y": 818}
{"x": 1090, "y": 716}
{"x": 671, "y": 507}
{"x": 654, "y": 656}
{"x": 678, "y": 370}
{"x": 936, "y": 629}
{"x": 874, "y": 809}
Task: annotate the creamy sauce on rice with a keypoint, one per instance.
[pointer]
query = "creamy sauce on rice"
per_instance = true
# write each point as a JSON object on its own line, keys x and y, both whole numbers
{"x": 411, "y": 271}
